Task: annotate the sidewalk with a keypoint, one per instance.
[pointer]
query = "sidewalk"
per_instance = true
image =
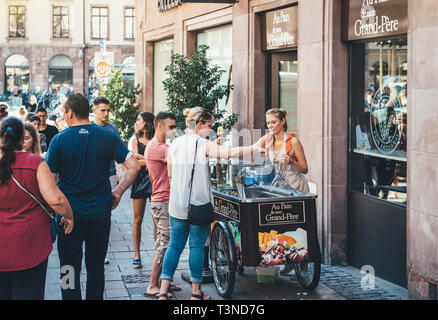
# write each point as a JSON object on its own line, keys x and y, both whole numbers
{"x": 123, "y": 282}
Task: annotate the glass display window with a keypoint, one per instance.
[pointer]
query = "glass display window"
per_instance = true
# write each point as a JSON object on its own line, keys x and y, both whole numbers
{"x": 378, "y": 119}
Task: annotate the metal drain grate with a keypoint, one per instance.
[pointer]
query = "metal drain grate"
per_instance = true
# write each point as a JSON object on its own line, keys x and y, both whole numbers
{"x": 135, "y": 278}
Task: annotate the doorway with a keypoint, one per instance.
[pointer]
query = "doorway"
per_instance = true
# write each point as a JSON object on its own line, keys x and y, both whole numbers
{"x": 282, "y": 88}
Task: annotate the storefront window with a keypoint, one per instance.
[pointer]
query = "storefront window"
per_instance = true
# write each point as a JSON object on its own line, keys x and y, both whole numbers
{"x": 61, "y": 73}
{"x": 288, "y": 87}
{"x": 379, "y": 120}
{"x": 17, "y": 73}
{"x": 128, "y": 70}
{"x": 220, "y": 41}
{"x": 163, "y": 50}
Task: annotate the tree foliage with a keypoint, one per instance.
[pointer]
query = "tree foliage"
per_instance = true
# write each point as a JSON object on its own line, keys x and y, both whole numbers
{"x": 124, "y": 109}
{"x": 194, "y": 82}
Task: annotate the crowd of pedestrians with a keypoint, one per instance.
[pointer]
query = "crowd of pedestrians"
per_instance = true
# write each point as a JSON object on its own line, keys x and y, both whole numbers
{"x": 81, "y": 159}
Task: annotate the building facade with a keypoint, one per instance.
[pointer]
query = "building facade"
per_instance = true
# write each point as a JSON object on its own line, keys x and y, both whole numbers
{"x": 51, "y": 44}
{"x": 356, "y": 78}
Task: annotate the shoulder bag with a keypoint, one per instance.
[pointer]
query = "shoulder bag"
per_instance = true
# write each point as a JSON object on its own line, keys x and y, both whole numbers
{"x": 54, "y": 224}
{"x": 199, "y": 214}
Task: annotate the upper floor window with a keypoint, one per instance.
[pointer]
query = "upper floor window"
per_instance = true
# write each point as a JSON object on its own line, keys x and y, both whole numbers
{"x": 99, "y": 23}
{"x": 129, "y": 23}
{"x": 17, "y": 21}
{"x": 60, "y": 22}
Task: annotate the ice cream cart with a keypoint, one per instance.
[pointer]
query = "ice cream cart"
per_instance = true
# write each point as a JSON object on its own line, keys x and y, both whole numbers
{"x": 260, "y": 220}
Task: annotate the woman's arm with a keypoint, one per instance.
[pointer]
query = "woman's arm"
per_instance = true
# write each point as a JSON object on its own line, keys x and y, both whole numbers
{"x": 213, "y": 150}
{"x": 53, "y": 196}
{"x": 138, "y": 156}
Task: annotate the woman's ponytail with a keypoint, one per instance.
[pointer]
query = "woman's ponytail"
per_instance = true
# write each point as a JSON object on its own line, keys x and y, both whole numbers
{"x": 11, "y": 135}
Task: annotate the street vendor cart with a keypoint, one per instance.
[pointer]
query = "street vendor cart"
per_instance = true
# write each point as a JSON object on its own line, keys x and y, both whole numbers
{"x": 260, "y": 220}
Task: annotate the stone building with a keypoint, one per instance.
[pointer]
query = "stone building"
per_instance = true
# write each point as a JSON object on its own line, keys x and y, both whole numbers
{"x": 47, "y": 43}
{"x": 357, "y": 80}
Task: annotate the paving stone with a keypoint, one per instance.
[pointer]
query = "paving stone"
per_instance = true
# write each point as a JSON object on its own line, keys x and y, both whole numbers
{"x": 116, "y": 293}
{"x": 118, "y": 284}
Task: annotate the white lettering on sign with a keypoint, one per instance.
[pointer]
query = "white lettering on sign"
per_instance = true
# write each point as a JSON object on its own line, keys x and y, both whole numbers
{"x": 281, "y": 17}
{"x": 164, "y": 5}
{"x": 372, "y": 24}
{"x": 280, "y": 38}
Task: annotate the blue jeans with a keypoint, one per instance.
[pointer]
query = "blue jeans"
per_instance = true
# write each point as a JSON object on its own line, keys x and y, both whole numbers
{"x": 179, "y": 232}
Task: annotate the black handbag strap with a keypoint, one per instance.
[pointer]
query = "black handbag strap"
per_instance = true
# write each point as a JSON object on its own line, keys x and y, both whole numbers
{"x": 33, "y": 197}
{"x": 193, "y": 173}
{"x": 193, "y": 170}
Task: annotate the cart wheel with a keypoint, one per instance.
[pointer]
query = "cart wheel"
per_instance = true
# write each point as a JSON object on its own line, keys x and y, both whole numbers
{"x": 223, "y": 260}
{"x": 308, "y": 274}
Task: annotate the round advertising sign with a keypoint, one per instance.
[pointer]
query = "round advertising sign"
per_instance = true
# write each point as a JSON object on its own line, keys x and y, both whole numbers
{"x": 103, "y": 68}
{"x": 383, "y": 119}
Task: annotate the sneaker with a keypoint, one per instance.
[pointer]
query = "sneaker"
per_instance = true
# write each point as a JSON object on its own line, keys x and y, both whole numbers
{"x": 106, "y": 261}
{"x": 137, "y": 264}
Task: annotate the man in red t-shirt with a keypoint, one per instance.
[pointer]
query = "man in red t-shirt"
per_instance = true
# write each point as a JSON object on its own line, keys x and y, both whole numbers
{"x": 155, "y": 156}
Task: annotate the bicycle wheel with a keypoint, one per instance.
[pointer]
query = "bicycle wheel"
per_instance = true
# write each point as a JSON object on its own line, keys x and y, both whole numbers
{"x": 223, "y": 260}
{"x": 308, "y": 274}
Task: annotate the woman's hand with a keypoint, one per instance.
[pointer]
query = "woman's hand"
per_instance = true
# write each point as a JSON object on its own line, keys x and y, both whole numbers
{"x": 258, "y": 150}
{"x": 285, "y": 159}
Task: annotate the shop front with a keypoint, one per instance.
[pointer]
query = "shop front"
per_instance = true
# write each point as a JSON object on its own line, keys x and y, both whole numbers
{"x": 16, "y": 73}
{"x": 61, "y": 73}
{"x": 280, "y": 44}
{"x": 376, "y": 36}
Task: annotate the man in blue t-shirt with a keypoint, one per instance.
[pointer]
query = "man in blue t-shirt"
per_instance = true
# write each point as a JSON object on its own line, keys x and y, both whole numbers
{"x": 81, "y": 156}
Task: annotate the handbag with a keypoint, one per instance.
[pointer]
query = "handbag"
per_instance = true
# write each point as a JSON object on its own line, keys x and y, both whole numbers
{"x": 142, "y": 186}
{"x": 199, "y": 214}
{"x": 54, "y": 224}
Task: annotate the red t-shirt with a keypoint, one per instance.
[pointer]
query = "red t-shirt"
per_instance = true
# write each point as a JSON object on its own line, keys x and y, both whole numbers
{"x": 156, "y": 161}
{"x": 25, "y": 238}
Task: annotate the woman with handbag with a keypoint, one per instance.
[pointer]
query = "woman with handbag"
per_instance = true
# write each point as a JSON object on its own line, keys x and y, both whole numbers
{"x": 27, "y": 189}
{"x": 141, "y": 189}
{"x": 191, "y": 198}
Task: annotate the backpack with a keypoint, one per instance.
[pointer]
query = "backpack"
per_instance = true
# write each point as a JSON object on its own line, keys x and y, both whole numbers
{"x": 289, "y": 144}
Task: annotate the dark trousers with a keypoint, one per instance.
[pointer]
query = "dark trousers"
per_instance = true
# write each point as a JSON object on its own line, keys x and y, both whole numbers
{"x": 95, "y": 235}
{"x": 23, "y": 285}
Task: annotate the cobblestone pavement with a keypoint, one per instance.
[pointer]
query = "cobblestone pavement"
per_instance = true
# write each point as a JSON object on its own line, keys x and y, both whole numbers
{"x": 123, "y": 282}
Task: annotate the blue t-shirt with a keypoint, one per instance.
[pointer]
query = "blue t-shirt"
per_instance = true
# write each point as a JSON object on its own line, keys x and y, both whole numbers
{"x": 111, "y": 127}
{"x": 81, "y": 156}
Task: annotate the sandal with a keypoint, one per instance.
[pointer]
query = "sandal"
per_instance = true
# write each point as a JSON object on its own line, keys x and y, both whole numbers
{"x": 174, "y": 287}
{"x": 166, "y": 296}
{"x": 137, "y": 264}
{"x": 200, "y": 296}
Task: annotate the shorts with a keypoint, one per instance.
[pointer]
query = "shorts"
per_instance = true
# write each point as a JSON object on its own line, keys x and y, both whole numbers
{"x": 160, "y": 215}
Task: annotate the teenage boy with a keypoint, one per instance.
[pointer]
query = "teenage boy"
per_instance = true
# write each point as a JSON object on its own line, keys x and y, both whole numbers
{"x": 46, "y": 129}
{"x": 101, "y": 109}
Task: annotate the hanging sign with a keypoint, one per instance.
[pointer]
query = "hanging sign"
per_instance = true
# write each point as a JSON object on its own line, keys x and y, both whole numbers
{"x": 281, "y": 29}
{"x": 103, "y": 61}
{"x": 364, "y": 19}
{"x": 164, "y": 5}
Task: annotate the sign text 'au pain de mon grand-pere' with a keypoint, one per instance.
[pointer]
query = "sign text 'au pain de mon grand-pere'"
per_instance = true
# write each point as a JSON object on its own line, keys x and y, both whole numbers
{"x": 364, "y": 19}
